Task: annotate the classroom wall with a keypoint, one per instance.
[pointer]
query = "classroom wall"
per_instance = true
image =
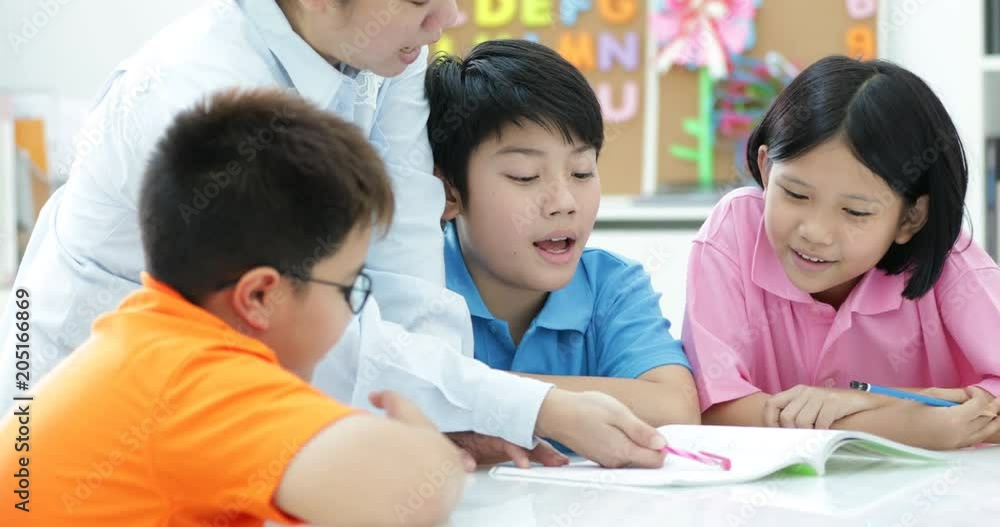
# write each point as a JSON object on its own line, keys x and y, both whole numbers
{"x": 71, "y": 45}
{"x": 82, "y": 40}
{"x": 942, "y": 42}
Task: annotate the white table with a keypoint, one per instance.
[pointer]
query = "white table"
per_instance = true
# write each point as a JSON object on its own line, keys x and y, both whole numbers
{"x": 962, "y": 492}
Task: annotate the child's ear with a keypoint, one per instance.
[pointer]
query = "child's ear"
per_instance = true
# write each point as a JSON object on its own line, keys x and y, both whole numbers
{"x": 763, "y": 166}
{"x": 914, "y": 219}
{"x": 452, "y": 199}
{"x": 255, "y": 296}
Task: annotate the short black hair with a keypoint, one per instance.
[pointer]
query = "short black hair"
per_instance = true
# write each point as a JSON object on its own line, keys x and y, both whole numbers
{"x": 897, "y": 127}
{"x": 504, "y": 82}
{"x": 255, "y": 178}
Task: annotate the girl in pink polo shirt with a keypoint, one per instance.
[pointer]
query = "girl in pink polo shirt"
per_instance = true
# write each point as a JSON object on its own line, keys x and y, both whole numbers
{"x": 849, "y": 263}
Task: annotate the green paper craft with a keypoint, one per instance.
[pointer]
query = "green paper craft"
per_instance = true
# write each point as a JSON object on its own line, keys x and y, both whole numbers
{"x": 701, "y": 129}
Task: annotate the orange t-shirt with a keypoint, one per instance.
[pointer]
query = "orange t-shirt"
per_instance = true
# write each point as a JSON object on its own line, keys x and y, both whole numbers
{"x": 165, "y": 416}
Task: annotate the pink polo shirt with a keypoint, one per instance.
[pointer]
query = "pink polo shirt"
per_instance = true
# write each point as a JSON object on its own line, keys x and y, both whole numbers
{"x": 747, "y": 328}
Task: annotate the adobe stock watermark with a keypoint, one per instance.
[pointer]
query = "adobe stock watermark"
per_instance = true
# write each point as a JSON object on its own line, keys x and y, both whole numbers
{"x": 100, "y": 124}
{"x": 899, "y": 14}
{"x": 33, "y": 24}
{"x": 588, "y": 496}
{"x": 248, "y": 149}
{"x": 130, "y": 441}
{"x": 236, "y": 507}
{"x": 365, "y": 33}
{"x": 553, "y": 191}
{"x": 928, "y": 496}
{"x": 427, "y": 489}
{"x": 953, "y": 301}
{"x": 912, "y": 170}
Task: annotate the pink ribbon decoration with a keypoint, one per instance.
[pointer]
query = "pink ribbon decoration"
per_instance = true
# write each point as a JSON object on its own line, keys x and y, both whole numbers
{"x": 702, "y": 33}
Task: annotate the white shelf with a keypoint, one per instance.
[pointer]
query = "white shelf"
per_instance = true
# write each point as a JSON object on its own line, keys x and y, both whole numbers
{"x": 665, "y": 209}
{"x": 991, "y": 63}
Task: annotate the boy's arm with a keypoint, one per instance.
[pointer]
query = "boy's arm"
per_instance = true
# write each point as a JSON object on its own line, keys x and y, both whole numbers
{"x": 638, "y": 361}
{"x": 259, "y": 441}
{"x": 662, "y": 395}
{"x": 364, "y": 470}
{"x": 745, "y": 411}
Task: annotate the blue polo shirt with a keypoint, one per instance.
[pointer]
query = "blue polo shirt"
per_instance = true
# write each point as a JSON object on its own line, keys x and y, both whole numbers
{"x": 606, "y": 322}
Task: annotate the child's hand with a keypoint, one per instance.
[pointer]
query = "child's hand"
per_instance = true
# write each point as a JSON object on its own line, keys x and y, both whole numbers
{"x": 967, "y": 424}
{"x": 489, "y": 450}
{"x": 811, "y": 407}
{"x": 398, "y": 408}
{"x": 600, "y": 428}
{"x": 958, "y": 395}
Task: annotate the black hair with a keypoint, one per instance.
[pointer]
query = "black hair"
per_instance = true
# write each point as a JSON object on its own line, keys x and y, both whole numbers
{"x": 897, "y": 127}
{"x": 255, "y": 178}
{"x": 502, "y": 82}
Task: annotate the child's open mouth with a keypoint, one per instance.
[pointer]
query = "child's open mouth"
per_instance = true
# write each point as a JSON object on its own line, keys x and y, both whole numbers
{"x": 809, "y": 262}
{"x": 557, "y": 250}
{"x": 555, "y": 245}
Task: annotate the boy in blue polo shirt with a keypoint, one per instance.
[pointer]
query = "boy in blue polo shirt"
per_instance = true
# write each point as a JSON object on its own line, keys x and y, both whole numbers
{"x": 516, "y": 131}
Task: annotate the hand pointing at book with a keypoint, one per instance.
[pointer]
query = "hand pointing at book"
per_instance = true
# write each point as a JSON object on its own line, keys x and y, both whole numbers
{"x": 600, "y": 428}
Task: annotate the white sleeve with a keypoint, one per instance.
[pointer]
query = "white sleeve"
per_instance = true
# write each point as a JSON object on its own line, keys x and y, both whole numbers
{"x": 456, "y": 392}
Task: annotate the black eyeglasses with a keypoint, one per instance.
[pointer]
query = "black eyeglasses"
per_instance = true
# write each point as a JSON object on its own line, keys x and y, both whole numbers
{"x": 356, "y": 294}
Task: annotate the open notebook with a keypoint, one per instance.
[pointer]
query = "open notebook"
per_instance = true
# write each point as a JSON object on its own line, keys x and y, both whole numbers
{"x": 755, "y": 453}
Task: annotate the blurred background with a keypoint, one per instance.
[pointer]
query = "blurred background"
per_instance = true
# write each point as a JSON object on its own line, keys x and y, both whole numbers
{"x": 681, "y": 83}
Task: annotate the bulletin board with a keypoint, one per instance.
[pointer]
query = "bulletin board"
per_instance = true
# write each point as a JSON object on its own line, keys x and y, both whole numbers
{"x": 609, "y": 41}
{"x": 803, "y": 32}
{"x": 605, "y": 39}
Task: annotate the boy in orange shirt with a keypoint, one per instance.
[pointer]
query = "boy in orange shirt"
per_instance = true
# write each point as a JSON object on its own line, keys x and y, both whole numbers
{"x": 190, "y": 404}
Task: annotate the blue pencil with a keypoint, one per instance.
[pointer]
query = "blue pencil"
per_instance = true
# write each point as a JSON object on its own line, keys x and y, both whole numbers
{"x": 866, "y": 387}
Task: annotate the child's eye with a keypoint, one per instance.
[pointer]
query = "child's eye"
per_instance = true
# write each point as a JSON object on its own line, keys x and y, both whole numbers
{"x": 857, "y": 213}
{"x": 793, "y": 195}
{"x": 524, "y": 179}
{"x": 583, "y": 175}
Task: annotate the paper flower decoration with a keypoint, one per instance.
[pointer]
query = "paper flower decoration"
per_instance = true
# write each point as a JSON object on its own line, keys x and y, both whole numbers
{"x": 741, "y": 99}
{"x": 702, "y": 33}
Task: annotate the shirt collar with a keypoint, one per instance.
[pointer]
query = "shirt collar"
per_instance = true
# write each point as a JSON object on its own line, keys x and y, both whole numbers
{"x": 311, "y": 75}
{"x": 457, "y": 277}
{"x": 568, "y": 308}
{"x": 877, "y": 292}
{"x": 160, "y": 297}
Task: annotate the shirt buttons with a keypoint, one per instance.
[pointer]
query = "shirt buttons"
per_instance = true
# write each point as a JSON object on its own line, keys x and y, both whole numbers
{"x": 493, "y": 329}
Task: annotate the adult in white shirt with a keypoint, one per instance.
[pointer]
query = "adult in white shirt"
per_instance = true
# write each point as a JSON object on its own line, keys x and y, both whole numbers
{"x": 364, "y": 60}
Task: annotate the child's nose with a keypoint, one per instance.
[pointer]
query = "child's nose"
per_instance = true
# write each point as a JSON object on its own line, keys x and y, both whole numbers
{"x": 441, "y": 18}
{"x": 561, "y": 201}
{"x": 816, "y": 231}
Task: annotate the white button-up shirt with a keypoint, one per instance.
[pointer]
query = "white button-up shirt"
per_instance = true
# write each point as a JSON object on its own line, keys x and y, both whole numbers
{"x": 85, "y": 254}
